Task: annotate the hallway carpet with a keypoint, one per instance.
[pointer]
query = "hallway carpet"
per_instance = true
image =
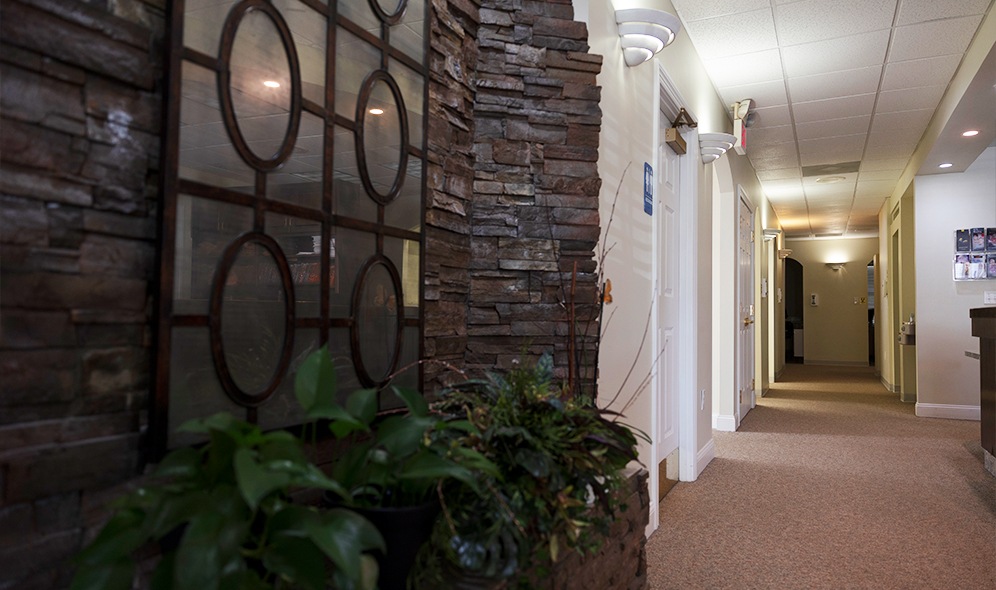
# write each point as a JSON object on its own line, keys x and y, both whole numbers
{"x": 831, "y": 482}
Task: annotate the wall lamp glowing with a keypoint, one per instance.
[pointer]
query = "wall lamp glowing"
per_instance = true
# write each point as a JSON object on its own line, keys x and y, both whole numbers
{"x": 644, "y": 32}
{"x": 835, "y": 266}
{"x": 714, "y": 145}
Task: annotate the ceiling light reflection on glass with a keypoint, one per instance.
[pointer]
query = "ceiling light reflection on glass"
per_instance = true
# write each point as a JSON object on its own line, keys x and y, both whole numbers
{"x": 376, "y": 111}
{"x": 271, "y": 84}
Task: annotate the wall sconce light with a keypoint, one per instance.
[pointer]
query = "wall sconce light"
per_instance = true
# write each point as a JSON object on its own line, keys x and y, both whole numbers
{"x": 644, "y": 32}
{"x": 714, "y": 145}
{"x": 835, "y": 266}
{"x": 771, "y": 233}
{"x": 784, "y": 253}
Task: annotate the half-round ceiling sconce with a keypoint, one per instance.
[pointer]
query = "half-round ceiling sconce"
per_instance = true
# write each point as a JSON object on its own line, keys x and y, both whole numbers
{"x": 714, "y": 145}
{"x": 644, "y": 32}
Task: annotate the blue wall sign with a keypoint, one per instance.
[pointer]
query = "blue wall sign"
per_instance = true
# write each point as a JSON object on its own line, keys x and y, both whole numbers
{"x": 648, "y": 189}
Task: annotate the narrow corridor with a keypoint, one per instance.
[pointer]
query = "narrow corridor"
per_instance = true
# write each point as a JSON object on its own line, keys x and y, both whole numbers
{"x": 831, "y": 482}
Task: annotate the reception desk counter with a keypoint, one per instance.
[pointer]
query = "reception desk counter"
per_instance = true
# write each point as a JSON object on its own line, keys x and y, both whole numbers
{"x": 984, "y": 327}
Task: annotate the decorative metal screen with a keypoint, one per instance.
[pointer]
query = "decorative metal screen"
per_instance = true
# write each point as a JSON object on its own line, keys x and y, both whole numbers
{"x": 292, "y": 212}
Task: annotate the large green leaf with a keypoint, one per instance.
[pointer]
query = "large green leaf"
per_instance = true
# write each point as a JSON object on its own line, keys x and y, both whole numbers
{"x": 255, "y": 481}
{"x": 115, "y": 575}
{"x": 362, "y": 405}
{"x": 298, "y": 561}
{"x": 315, "y": 382}
{"x": 181, "y": 463}
{"x": 343, "y": 535}
{"x": 413, "y": 400}
{"x": 401, "y": 436}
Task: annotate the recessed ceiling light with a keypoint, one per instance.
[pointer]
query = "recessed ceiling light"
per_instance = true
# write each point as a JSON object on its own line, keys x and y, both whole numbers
{"x": 376, "y": 111}
{"x": 970, "y": 133}
{"x": 271, "y": 84}
{"x": 830, "y": 179}
{"x": 946, "y": 165}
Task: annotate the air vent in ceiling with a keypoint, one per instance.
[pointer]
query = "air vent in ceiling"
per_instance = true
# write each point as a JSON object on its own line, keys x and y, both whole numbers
{"x": 830, "y": 169}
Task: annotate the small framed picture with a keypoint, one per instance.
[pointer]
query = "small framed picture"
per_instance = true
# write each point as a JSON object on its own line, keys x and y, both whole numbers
{"x": 963, "y": 240}
{"x": 991, "y": 265}
{"x": 978, "y": 239}
{"x": 991, "y": 239}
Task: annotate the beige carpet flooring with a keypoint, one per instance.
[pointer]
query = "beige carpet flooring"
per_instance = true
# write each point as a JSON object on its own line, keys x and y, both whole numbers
{"x": 831, "y": 482}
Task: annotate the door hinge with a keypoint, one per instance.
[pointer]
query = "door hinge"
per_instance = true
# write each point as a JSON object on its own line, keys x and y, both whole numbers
{"x": 741, "y": 397}
{"x": 752, "y": 237}
{"x": 752, "y": 385}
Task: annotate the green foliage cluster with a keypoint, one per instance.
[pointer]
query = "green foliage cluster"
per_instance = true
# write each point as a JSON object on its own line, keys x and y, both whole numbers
{"x": 559, "y": 461}
{"x": 390, "y": 461}
{"x": 223, "y": 519}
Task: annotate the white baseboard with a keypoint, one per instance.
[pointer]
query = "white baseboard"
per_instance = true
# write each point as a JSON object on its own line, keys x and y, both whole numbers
{"x": 835, "y": 363}
{"x": 949, "y": 411}
{"x": 889, "y": 386}
{"x": 706, "y": 454}
{"x": 724, "y": 423}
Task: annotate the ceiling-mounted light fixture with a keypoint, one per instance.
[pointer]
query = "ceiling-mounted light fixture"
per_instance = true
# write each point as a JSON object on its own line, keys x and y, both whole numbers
{"x": 644, "y": 32}
{"x": 714, "y": 145}
{"x": 945, "y": 165}
{"x": 970, "y": 133}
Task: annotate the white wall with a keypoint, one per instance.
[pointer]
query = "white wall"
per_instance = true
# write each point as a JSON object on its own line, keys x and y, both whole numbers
{"x": 835, "y": 331}
{"x": 947, "y": 380}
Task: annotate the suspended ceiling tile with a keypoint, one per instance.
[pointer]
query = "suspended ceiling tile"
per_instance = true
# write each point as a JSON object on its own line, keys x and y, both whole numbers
{"x": 901, "y": 75}
{"x": 867, "y": 205}
{"x": 833, "y": 127}
{"x": 835, "y": 84}
{"x": 691, "y": 10}
{"x": 815, "y": 20}
{"x": 778, "y": 174}
{"x": 889, "y": 152}
{"x": 734, "y": 34}
{"x": 830, "y": 192}
{"x": 844, "y": 143}
{"x": 834, "y": 108}
{"x": 768, "y": 163}
{"x": 918, "y": 11}
{"x": 944, "y": 37}
{"x": 925, "y": 97}
{"x": 765, "y": 94}
{"x": 830, "y": 157}
{"x": 770, "y": 135}
{"x": 874, "y": 188}
{"x": 890, "y": 175}
{"x": 772, "y": 116}
{"x": 875, "y": 164}
{"x": 774, "y": 150}
{"x": 781, "y": 190}
{"x": 847, "y": 53}
{"x": 743, "y": 69}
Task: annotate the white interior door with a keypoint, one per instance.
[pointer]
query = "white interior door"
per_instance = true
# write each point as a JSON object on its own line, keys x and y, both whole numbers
{"x": 667, "y": 300}
{"x": 745, "y": 305}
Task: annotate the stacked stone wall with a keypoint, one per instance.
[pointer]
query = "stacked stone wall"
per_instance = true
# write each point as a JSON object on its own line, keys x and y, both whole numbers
{"x": 536, "y": 185}
{"x": 80, "y": 104}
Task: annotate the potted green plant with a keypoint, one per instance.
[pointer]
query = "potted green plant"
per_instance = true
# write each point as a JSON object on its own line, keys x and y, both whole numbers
{"x": 223, "y": 517}
{"x": 559, "y": 461}
{"x": 391, "y": 466}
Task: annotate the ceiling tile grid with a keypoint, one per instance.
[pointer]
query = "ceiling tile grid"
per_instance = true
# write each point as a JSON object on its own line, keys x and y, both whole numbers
{"x": 833, "y": 82}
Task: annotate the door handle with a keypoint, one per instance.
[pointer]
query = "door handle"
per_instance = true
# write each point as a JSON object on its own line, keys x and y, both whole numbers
{"x": 748, "y": 321}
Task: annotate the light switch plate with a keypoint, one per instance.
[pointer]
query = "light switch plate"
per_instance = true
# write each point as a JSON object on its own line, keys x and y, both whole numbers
{"x": 989, "y": 298}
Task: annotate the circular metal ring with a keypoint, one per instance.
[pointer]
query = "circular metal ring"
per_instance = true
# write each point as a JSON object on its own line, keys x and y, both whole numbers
{"x": 361, "y": 156}
{"x": 231, "y": 122}
{"x": 354, "y": 329}
{"x": 234, "y": 392}
{"x": 392, "y": 18}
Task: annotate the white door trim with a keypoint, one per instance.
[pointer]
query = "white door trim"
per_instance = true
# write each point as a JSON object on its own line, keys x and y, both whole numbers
{"x": 668, "y": 100}
{"x": 742, "y": 362}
